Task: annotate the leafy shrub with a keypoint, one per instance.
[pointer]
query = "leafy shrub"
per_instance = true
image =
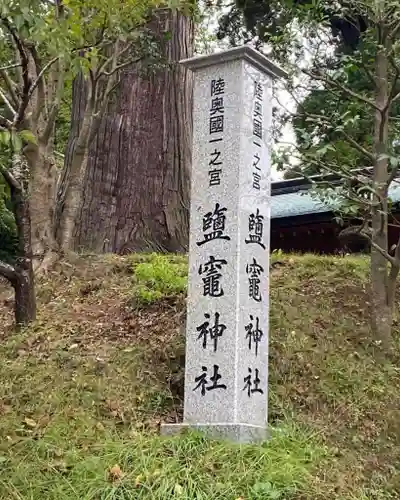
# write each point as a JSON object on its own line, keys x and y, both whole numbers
{"x": 8, "y": 232}
{"x": 158, "y": 277}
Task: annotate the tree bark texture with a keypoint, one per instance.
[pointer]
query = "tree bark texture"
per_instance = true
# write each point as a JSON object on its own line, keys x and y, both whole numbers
{"x": 22, "y": 278}
{"x": 43, "y": 172}
{"x": 70, "y": 190}
{"x": 137, "y": 183}
{"x": 382, "y": 302}
{"x": 24, "y": 283}
{"x": 43, "y": 181}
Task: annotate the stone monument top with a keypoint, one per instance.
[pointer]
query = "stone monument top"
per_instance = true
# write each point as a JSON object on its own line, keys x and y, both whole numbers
{"x": 244, "y": 52}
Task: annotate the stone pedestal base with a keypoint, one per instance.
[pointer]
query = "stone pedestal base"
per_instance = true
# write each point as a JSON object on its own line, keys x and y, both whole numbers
{"x": 238, "y": 433}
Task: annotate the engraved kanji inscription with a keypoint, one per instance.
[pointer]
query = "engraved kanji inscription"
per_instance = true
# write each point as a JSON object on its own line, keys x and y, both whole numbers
{"x": 254, "y": 334}
{"x": 211, "y": 276}
{"x": 254, "y": 270}
{"x": 217, "y": 87}
{"x": 216, "y": 124}
{"x": 204, "y": 385}
{"x": 211, "y": 331}
{"x": 256, "y": 229}
{"x": 214, "y": 225}
{"x": 217, "y": 106}
{"x": 252, "y": 383}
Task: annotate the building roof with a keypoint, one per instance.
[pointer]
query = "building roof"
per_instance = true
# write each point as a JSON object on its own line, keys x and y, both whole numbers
{"x": 291, "y": 199}
{"x": 293, "y": 204}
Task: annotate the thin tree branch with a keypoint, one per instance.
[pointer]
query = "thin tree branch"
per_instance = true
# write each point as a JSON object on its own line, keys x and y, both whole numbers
{"x": 10, "y": 179}
{"x": 393, "y": 274}
{"x": 397, "y": 252}
{"x": 92, "y": 89}
{"x": 49, "y": 123}
{"x": 358, "y": 146}
{"x": 331, "y": 169}
{"x": 7, "y": 102}
{"x": 349, "y": 177}
{"x": 113, "y": 59}
{"x": 396, "y": 97}
{"x": 355, "y": 144}
{"x": 123, "y": 65}
{"x": 40, "y": 75}
{"x": 42, "y": 94}
{"x": 10, "y": 66}
{"x": 25, "y": 69}
{"x": 346, "y": 90}
{"x": 392, "y": 97}
{"x": 10, "y": 86}
{"x": 324, "y": 119}
{"x": 5, "y": 122}
{"x": 383, "y": 252}
{"x": 100, "y": 102}
{"x": 395, "y": 31}
{"x": 368, "y": 73}
{"x": 392, "y": 176}
{"x": 52, "y": 115}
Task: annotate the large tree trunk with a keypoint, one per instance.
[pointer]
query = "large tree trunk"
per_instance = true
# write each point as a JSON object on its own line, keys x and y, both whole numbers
{"x": 43, "y": 182}
{"x": 43, "y": 172}
{"x": 382, "y": 300}
{"x": 136, "y": 187}
{"x": 70, "y": 191}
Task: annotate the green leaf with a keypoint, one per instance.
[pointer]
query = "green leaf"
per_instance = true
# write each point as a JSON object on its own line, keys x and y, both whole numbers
{"x": 324, "y": 149}
{"x": 16, "y": 142}
{"x": 19, "y": 21}
{"x": 28, "y": 136}
{"x": 5, "y": 137}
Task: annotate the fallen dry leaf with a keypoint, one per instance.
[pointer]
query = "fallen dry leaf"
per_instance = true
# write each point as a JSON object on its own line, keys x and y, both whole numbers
{"x": 115, "y": 473}
{"x": 30, "y": 423}
{"x": 59, "y": 465}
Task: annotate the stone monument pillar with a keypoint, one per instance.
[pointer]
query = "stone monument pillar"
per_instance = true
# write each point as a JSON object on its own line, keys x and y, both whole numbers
{"x": 226, "y": 374}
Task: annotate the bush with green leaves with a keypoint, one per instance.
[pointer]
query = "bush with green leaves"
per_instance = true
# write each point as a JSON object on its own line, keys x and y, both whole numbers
{"x": 9, "y": 142}
{"x": 8, "y": 232}
{"x": 159, "y": 276}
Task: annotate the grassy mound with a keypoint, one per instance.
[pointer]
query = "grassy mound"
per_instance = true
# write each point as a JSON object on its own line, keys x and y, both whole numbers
{"x": 83, "y": 390}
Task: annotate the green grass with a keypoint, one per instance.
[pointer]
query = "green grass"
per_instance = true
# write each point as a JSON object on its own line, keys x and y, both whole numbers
{"x": 84, "y": 389}
{"x": 110, "y": 466}
{"x": 159, "y": 277}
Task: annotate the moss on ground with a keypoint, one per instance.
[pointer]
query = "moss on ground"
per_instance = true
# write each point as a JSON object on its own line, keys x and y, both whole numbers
{"x": 84, "y": 389}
